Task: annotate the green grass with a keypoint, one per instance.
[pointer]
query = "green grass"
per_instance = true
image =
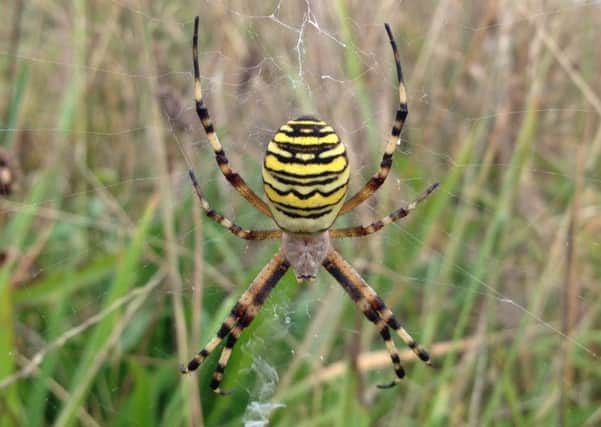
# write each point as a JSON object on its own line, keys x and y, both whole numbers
{"x": 111, "y": 278}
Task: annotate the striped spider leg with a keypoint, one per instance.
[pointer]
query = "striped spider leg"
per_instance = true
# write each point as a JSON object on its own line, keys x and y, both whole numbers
{"x": 376, "y": 311}
{"x": 366, "y": 230}
{"x": 401, "y": 115}
{"x": 205, "y": 119}
{"x": 239, "y": 318}
{"x": 232, "y": 227}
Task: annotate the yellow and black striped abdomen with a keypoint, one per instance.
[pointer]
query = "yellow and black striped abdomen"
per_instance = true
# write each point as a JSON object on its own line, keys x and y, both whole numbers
{"x": 305, "y": 175}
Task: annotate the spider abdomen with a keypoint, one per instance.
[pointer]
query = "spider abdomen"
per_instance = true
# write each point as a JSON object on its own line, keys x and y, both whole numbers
{"x": 305, "y": 175}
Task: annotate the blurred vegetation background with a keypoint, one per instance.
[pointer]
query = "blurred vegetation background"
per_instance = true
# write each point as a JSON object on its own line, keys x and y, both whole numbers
{"x": 111, "y": 277}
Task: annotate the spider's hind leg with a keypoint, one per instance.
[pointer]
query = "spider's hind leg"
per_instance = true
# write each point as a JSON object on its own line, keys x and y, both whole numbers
{"x": 347, "y": 277}
{"x": 374, "y": 309}
{"x": 394, "y": 356}
{"x": 226, "y": 327}
{"x": 226, "y": 353}
{"x": 240, "y": 317}
{"x": 224, "y": 358}
{"x": 392, "y": 321}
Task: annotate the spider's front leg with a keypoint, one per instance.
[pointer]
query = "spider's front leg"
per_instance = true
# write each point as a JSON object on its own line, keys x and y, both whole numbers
{"x": 395, "y": 134}
{"x": 205, "y": 119}
{"x": 240, "y": 317}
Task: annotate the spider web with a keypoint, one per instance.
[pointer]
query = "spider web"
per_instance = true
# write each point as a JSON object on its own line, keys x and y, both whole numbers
{"x": 522, "y": 248}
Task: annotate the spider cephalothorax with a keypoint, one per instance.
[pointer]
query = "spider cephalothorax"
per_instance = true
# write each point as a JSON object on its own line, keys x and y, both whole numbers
{"x": 305, "y": 177}
{"x": 306, "y": 252}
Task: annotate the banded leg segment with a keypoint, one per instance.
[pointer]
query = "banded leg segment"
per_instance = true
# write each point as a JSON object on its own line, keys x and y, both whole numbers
{"x": 401, "y": 115}
{"x": 240, "y": 317}
{"x": 226, "y": 353}
{"x": 338, "y": 268}
{"x": 205, "y": 119}
{"x": 394, "y": 357}
{"x": 358, "y": 289}
{"x": 233, "y": 228}
{"x": 365, "y": 230}
{"x": 224, "y": 358}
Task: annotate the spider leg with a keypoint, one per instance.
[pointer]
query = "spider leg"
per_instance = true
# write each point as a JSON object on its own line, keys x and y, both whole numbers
{"x": 240, "y": 317}
{"x": 228, "y": 224}
{"x": 205, "y": 119}
{"x": 372, "y": 305}
{"x": 365, "y": 230}
{"x": 401, "y": 115}
{"x": 226, "y": 352}
{"x": 353, "y": 284}
{"x": 224, "y": 358}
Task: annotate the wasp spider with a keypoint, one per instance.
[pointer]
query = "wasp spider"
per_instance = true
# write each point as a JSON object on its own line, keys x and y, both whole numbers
{"x": 305, "y": 177}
